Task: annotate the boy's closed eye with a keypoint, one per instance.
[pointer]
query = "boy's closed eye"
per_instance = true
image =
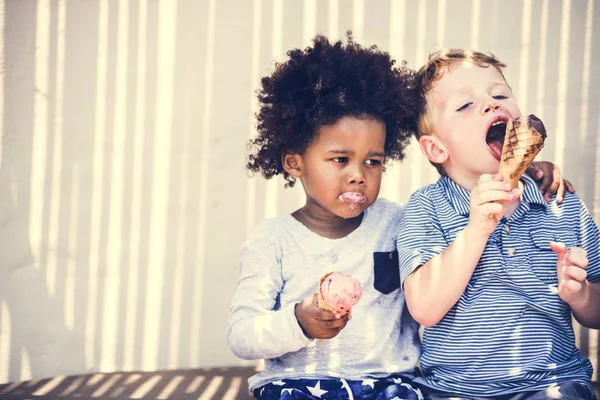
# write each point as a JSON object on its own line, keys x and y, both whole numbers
{"x": 466, "y": 105}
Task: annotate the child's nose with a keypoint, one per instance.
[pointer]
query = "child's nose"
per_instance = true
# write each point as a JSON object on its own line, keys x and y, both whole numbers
{"x": 356, "y": 177}
{"x": 490, "y": 106}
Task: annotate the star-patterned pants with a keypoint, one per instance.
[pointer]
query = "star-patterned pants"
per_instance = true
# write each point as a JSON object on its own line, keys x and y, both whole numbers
{"x": 392, "y": 388}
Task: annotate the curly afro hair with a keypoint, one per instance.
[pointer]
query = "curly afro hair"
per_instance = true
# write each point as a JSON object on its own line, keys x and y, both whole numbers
{"x": 319, "y": 85}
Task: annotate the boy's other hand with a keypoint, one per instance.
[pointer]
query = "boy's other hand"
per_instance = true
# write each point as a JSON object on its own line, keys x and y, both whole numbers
{"x": 570, "y": 269}
{"x": 550, "y": 179}
{"x": 317, "y": 323}
{"x": 487, "y": 202}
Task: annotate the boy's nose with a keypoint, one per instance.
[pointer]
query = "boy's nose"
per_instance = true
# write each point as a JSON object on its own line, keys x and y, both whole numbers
{"x": 490, "y": 106}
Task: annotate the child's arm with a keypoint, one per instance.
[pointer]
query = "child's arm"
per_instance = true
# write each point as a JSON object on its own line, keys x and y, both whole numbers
{"x": 434, "y": 288}
{"x": 258, "y": 328}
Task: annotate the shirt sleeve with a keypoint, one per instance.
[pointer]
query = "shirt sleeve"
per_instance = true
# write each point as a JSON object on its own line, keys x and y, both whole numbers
{"x": 421, "y": 237}
{"x": 258, "y": 328}
{"x": 589, "y": 237}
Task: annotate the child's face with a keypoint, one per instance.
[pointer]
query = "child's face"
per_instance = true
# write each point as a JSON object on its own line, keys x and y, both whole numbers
{"x": 345, "y": 160}
{"x": 467, "y": 101}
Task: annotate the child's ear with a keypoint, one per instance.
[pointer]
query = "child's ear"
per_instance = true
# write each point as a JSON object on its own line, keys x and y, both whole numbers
{"x": 292, "y": 164}
{"x": 433, "y": 149}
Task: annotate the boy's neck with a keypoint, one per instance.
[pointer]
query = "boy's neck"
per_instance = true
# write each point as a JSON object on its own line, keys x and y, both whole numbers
{"x": 467, "y": 182}
{"x": 332, "y": 227}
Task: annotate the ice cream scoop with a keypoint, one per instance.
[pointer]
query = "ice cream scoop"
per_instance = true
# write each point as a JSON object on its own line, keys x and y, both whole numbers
{"x": 338, "y": 293}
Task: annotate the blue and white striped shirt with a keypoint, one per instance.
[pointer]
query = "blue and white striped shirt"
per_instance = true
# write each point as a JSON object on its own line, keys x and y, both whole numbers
{"x": 510, "y": 331}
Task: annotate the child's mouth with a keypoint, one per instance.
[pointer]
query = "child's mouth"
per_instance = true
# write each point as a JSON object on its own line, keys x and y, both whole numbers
{"x": 353, "y": 199}
{"x": 495, "y": 138}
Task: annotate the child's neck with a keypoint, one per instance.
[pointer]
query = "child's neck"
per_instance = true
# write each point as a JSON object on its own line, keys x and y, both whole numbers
{"x": 467, "y": 182}
{"x": 332, "y": 227}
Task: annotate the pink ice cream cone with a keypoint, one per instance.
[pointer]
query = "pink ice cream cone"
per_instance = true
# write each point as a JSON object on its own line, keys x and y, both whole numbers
{"x": 338, "y": 293}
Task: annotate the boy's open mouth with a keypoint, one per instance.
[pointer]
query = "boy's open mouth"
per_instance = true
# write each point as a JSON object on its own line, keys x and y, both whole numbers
{"x": 495, "y": 138}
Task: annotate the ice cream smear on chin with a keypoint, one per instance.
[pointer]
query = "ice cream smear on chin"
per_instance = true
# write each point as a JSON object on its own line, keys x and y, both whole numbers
{"x": 338, "y": 293}
{"x": 353, "y": 199}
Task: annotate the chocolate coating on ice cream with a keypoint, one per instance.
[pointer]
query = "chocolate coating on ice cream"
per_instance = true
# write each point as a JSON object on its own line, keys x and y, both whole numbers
{"x": 534, "y": 122}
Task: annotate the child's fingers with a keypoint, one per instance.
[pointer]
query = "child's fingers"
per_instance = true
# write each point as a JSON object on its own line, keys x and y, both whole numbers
{"x": 574, "y": 273}
{"x": 539, "y": 174}
{"x": 570, "y": 186}
{"x": 489, "y": 196}
{"x": 333, "y": 324}
{"x": 491, "y": 185}
{"x": 570, "y": 285}
{"x": 560, "y": 249}
{"x": 489, "y": 178}
{"x": 331, "y": 333}
{"x": 324, "y": 315}
{"x": 576, "y": 256}
{"x": 534, "y": 171}
{"x": 551, "y": 190}
{"x": 491, "y": 209}
{"x": 560, "y": 194}
{"x": 549, "y": 179}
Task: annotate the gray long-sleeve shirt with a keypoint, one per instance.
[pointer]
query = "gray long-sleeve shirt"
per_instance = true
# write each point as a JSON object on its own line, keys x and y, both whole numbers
{"x": 281, "y": 263}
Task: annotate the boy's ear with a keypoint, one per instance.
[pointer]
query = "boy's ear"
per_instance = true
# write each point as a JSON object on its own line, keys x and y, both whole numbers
{"x": 433, "y": 149}
{"x": 292, "y": 164}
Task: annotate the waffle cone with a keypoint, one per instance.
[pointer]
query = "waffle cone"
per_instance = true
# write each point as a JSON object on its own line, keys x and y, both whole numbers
{"x": 522, "y": 144}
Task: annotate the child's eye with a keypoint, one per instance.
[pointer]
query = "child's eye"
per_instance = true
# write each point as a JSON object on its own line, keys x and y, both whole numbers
{"x": 373, "y": 162}
{"x": 500, "y": 97}
{"x": 341, "y": 160}
{"x": 464, "y": 107}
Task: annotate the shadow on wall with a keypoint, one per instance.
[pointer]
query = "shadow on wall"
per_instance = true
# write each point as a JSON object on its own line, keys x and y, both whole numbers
{"x": 123, "y": 195}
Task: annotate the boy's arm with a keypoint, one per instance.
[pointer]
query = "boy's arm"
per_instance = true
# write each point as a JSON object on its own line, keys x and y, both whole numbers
{"x": 256, "y": 330}
{"x": 433, "y": 284}
{"x": 434, "y": 288}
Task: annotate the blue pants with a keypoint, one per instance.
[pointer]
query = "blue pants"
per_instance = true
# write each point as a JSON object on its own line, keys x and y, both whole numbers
{"x": 565, "y": 391}
{"x": 392, "y": 388}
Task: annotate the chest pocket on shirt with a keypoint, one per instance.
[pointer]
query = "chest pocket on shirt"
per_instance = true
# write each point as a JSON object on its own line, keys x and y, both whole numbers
{"x": 543, "y": 259}
{"x": 387, "y": 271}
